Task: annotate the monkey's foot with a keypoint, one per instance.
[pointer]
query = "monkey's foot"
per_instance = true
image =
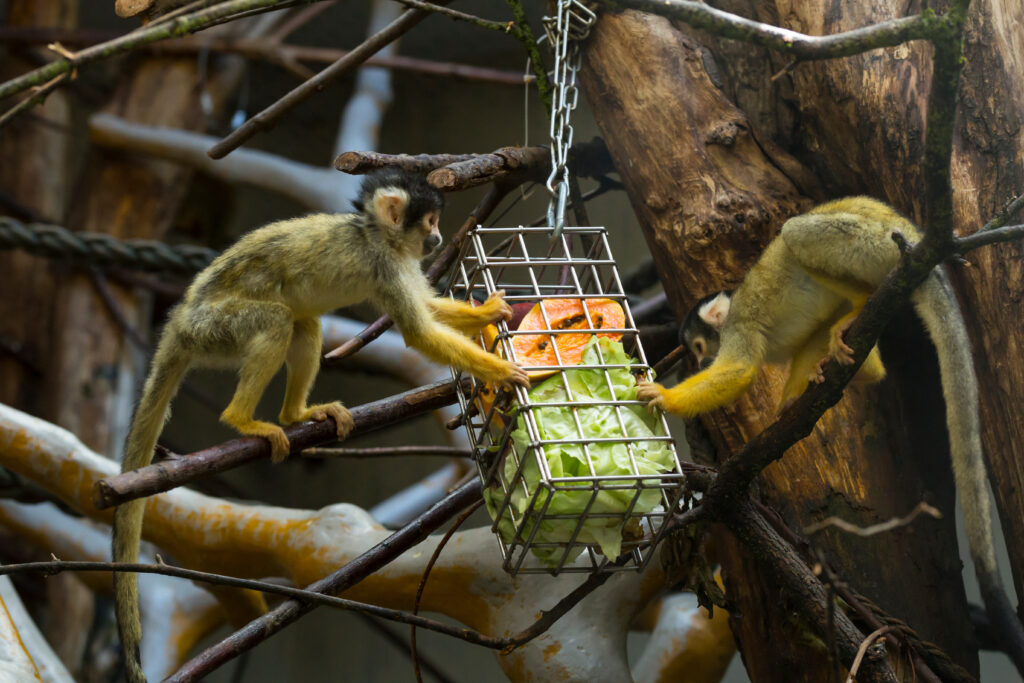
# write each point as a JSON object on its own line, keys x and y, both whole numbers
{"x": 279, "y": 446}
{"x": 322, "y": 411}
{"x": 837, "y": 346}
{"x": 653, "y": 393}
{"x": 817, "y": 375}
{"x": 496, "y": 308}
{"x": 340, "y": 413}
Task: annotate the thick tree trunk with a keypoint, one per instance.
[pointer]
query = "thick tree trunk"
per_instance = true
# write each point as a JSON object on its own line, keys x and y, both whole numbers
{"x": 709, "y": 193}
{"x": 879, "y": 101}
{"x": 34, "y": 185}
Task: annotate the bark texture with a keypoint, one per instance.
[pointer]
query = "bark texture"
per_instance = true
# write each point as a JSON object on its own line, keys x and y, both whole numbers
{"x": 710, "y": 189}
{"x": 36, "y": 187}
{"x": 877, "y": 101}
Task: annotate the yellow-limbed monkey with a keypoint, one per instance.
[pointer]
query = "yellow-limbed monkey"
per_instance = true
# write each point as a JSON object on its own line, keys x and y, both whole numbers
{"x": 257, "y": 307}
{"x": 794, "y": 306}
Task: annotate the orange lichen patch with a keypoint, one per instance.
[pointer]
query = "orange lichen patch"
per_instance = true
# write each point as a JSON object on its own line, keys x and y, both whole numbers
{"x": 533, "y": 350}
{"x": 552, "y": 650}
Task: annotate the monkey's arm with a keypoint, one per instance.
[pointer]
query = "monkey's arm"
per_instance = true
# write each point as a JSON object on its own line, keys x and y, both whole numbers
{"x": 467, "y": 318}
{"x": 723, "y": 382}
{"x": 441, "y": 343}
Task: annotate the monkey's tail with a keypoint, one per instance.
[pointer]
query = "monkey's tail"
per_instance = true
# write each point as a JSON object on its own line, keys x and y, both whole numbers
{"x": 168, "y": 368}
{"x": 936, "y": 303}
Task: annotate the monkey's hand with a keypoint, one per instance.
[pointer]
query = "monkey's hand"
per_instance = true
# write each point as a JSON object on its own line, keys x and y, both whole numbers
{"x": 320, "y": 412}
{"x": 512, "y": 375}
{"x": 653, "y": 393}
{"x": 495, "y": 308}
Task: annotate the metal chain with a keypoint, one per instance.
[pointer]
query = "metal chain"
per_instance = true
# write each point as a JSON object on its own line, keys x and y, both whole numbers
{"x": 565, "y": 33}
{"x": 54, "y": 241}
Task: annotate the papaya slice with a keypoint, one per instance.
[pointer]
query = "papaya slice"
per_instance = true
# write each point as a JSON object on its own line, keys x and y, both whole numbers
{"x": 532, "y": 350}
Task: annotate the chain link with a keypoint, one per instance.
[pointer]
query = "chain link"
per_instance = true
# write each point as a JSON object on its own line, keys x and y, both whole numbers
{"x": 566, "y": 32}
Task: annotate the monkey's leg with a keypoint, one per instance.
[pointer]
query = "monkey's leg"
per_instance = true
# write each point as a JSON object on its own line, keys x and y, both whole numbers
{"x": 723, "y": 382}
{"x": 806, "y": 366}
{"x": 467, "y": 318}
{"x": 857, "y": 294}
{"x": 263, "y": 354}
{"x": 303, "y": 362}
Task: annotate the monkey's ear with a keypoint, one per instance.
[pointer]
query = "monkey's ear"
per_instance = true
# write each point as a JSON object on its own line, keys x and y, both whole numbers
{"x": 390, "y": 205}
{"x": 715, "y": 311}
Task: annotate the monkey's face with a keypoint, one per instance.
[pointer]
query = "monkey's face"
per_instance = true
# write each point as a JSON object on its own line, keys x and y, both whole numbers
{"x": 703, "y": 344}
{"x": 701, "y": 330}
{"x": 428, "y": 228}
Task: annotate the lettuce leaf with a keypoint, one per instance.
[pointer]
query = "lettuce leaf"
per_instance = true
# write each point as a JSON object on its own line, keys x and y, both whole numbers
{"x": 570, "y": 460}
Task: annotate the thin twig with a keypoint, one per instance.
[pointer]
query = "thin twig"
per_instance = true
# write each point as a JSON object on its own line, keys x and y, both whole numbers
{"x": 666, "y": 363}
{"x": 349, "y": 575}
{"x": 1004, "y": 214}
{"x": 503, "y": 26}
{"x": 387, "y": 452}
{"x": 990, "y": 236}
{"x": 40, "y": 94}
{"x": 269, "y": 116}
{"x": 163, "y": 476}
{"x": 286, "y": 55}
{"x": 402, "y": 645}
{"x": 874, "y": 616}
{"x": 863, "y": 650}
{"x": 727, "y": 25}
{"x": 310, "y": 597}
{"x": 525, "y": 35}
{"x": 180, "y": 26}
{"x": 426, "y": 575}
{"x": 882, "y": 527}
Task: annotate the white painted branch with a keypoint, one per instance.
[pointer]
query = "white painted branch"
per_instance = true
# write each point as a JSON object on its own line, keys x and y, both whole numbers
{"x": 25, "y": 656}
{"x": 364, "y": 112}
{"x": 686, "y": 644}
{"x": 217, "y": 535}
{"x": 316, "y": 188}
{"x": 170, "y": 607}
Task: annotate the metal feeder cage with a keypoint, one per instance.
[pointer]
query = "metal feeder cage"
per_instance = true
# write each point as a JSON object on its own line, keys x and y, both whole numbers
{"x": 545, "y": 519}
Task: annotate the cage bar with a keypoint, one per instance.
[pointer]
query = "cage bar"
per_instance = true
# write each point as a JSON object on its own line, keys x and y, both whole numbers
{"x": 567, "y": 520}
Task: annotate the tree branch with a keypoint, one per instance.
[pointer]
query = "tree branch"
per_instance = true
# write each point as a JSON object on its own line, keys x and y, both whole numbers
{"x": 736, "y": 474}
{"x": 525, "y": 36}
{"x": 991, "y": 236}
{"x": 358, "y": 163}
{"x": 503, "y": 26}
{"x": 284, "y": 55}
{"x": 790, "y": 572}
{"x": 269, "y": 116}
{"x": 727, "y": 25}
{"x": 168, "y": 474}
{"x": 181, "y": 26}
{"x": 387, "y": 452}
{"x": 352, "y": 573}
{"x": 57, "y": 566}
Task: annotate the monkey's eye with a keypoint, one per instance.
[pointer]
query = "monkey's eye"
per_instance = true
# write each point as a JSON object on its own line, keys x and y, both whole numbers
{"x": 699, "y": 347}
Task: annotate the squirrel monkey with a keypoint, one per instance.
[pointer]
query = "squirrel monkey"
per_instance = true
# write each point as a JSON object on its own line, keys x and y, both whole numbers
{"x": 258, "y": 306}
{"x": 796, "y": 303}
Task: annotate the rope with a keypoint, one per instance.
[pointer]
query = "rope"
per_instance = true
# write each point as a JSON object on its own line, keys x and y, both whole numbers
{"x": 940, "y": 662}
{"x": 53, "y": 241}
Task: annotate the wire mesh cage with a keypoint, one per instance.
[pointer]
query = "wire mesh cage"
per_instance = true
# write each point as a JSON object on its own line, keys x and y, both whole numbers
{"x": 577, "y": 473}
